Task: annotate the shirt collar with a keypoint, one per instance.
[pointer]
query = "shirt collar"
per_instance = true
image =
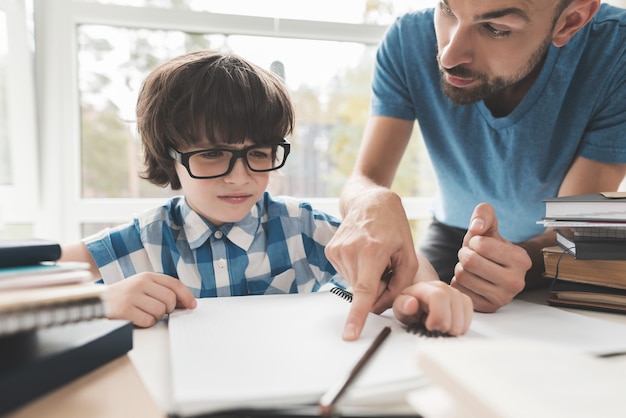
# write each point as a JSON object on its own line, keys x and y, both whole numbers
{"x": 198, "y": 230}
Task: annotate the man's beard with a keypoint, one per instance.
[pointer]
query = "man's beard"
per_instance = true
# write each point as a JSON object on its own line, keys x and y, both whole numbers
{"x": 486, "y": 87}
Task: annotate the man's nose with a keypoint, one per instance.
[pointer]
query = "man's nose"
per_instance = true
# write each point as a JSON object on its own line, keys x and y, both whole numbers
{"x": 459, "y": 48}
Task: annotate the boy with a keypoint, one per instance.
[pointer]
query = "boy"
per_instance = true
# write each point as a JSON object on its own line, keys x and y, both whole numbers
{"x": 213, "y": 125}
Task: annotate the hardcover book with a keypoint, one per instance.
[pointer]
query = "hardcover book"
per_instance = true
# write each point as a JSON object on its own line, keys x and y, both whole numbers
{"x": 37, "y": 362}
{"x": 27, "y": 251}
{"x": 587, "y": 296}
{"x": 609, "y": 206}
{"x": 591, "y": 248}
{"x": 562, "y": 265}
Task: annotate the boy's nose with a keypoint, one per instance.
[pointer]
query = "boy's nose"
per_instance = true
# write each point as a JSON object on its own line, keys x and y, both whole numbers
{"x": 240, "y": 172}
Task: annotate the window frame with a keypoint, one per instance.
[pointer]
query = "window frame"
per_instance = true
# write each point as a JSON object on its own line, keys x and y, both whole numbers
{"x": 19, "y": 203}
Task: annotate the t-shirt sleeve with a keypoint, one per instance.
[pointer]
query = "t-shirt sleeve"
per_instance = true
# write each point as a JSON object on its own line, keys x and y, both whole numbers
{"x": 390, "y": 90}
{"x": 604, "y": 136}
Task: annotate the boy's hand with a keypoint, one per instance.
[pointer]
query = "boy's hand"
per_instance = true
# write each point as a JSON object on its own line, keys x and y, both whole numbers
{"x": 436, "y": 304}
{"x": 491, "y": 270}
{"x": 146, "y": 297}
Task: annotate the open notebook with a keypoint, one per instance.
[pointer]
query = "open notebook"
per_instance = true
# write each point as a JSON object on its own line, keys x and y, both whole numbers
{"x": 280, "y": 350}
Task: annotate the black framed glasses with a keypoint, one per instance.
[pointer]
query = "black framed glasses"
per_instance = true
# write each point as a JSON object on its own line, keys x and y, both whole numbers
{"x": 218, "y": 162}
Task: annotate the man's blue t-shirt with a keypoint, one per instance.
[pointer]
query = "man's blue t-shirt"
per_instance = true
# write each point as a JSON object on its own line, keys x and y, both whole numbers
{"x": 576, "y": 107}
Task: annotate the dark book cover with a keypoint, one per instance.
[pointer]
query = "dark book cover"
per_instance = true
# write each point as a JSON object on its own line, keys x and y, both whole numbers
{"x": 37, "y": 362}
{"x": 590, "y": 306}
{"x": 568, "y": 294}
{"x": 587, "y": 248}
{"x": 568, "y": 286}
{"x": 27, "y": 251}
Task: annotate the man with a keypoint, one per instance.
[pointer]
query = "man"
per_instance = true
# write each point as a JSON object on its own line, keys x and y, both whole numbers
{"x": 517, "y": 101}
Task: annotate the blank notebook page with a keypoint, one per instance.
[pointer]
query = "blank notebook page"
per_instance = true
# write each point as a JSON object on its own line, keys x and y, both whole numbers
{"x": 277, "y": 350}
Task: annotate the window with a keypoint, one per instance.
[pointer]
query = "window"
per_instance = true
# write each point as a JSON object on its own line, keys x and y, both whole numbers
{"x": 95, "y": 55}
{"x": 19, "y": 172}
{"x": 381, "y": 12}
{"x": 5, "y": 147}
{"x": 79, "y": 173}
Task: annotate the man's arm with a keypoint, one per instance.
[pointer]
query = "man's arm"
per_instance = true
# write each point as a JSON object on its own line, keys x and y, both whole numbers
{"x": 587, "y": 176}
{"x": 374, "y": 232}
{"x": 384, "y": 142}
{"x": 492, "y": 270}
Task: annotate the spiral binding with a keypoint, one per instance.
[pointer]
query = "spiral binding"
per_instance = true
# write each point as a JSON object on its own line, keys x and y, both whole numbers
{"x": 420, "y": 329}
{"x": 342, "y": 293}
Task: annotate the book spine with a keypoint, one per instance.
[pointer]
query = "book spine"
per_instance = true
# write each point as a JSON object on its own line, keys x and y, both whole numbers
{"x": 28, "y": 252}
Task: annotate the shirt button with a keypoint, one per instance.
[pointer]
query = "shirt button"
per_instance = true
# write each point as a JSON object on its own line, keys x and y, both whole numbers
{"x": 218, "y": 234}
{"x": 221, "y": 263}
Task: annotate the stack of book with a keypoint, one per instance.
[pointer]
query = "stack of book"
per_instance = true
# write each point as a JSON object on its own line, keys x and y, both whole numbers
{"x": 587, "y": 268}
{"x": 52, "y": 325}
{"x": 38, "y": 292}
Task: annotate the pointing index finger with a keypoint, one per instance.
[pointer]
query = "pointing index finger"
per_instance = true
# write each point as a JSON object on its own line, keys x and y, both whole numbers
{"x": 361, "y": 307}
{"x": 364, "y": 296}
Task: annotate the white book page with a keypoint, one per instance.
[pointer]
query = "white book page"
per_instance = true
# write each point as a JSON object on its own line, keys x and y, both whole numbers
{"x": 276, "y": 350}
{"x": 547, "y": 324}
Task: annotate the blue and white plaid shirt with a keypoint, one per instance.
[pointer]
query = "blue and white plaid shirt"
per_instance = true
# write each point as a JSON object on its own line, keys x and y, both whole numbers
{"x": 277, "y": 248}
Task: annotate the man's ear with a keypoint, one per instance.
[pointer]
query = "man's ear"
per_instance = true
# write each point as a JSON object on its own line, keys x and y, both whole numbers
{"x": 572, "y": 19}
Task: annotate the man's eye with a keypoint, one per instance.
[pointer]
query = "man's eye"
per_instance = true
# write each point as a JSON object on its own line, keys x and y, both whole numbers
{"x": 496, "y": 33}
